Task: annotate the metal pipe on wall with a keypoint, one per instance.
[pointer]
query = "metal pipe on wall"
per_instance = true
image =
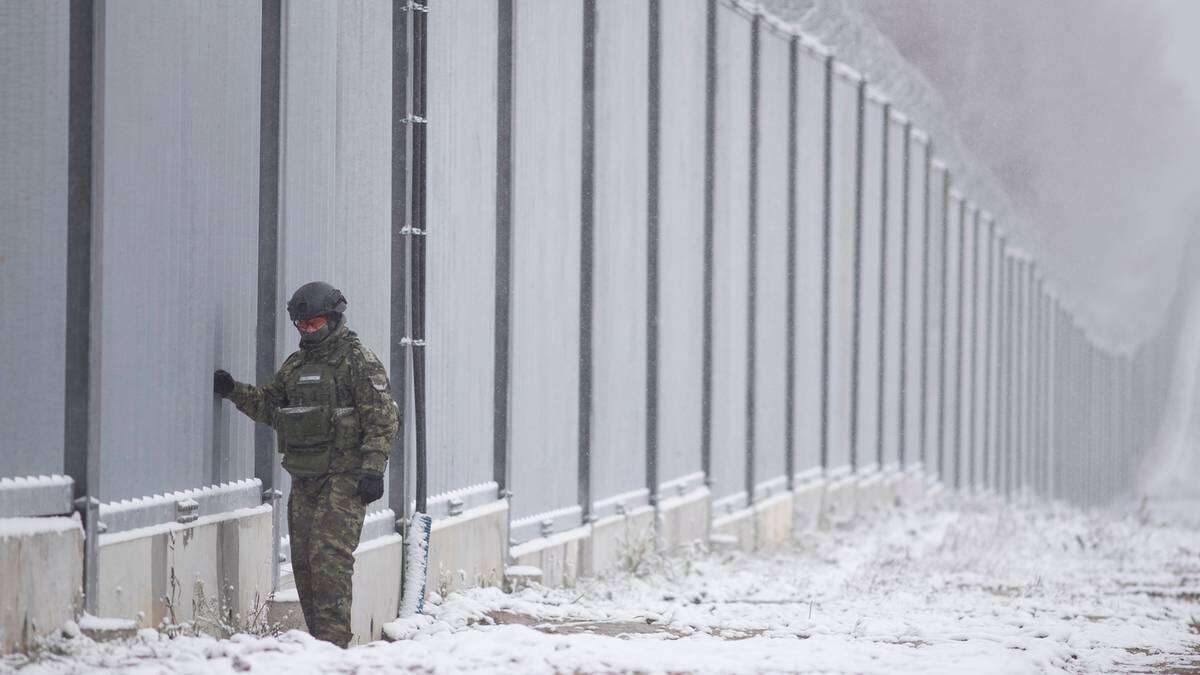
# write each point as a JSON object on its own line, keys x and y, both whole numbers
{"x": 81, "y": 449}
{"x": 417, "y": 243}
{"x": 586, "y": 258}
{"x": 502, "y": 355}
{"x": 266, "y": 463}
{"x": 653, "y": 124}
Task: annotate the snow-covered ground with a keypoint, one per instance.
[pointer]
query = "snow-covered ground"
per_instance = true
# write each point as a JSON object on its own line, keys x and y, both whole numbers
{"x": 952, "y": 586}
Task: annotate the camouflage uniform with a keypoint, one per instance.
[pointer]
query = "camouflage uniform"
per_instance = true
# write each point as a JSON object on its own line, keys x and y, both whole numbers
{"x": 335, "y": 419}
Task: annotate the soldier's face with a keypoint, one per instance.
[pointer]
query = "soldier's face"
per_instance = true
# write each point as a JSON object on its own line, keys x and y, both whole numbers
{"x": 310, "y": 326}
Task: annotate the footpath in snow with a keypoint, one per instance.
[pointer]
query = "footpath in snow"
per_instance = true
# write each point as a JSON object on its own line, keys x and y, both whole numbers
{"x": 952, "y": 586}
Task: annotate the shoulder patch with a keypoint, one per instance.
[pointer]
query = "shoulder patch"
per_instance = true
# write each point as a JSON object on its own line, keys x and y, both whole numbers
{"x": 379, "y": 381}
{"x": 366, "y": 363}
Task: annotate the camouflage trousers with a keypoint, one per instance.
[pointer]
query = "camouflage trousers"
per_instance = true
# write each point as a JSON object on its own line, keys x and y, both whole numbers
{"x": 325, "y": 519}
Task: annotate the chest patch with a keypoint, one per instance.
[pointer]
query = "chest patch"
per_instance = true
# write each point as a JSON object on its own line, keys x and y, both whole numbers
{"x": 310, "y": 378}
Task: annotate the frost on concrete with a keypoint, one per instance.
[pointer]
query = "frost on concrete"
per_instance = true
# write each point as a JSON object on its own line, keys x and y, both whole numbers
{"x": 36, "y": 495}
{"x": 950, "y": 586}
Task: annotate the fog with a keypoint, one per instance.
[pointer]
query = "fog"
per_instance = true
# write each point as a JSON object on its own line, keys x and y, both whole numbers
{"x": 1085, "y": 113}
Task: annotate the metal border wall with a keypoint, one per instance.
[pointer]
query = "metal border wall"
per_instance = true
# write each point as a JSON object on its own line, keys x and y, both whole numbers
{"x": 673, "y": 243}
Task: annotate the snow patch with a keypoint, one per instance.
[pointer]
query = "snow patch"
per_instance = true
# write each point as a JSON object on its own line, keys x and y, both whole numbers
{"x": 953, "y": 585}
{"x": 28, "y": 527}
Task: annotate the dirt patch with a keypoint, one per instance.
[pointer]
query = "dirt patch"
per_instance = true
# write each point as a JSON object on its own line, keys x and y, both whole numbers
{"x": 574, "y": 627}
{"x": 617, "y": 629}
{"x": 1168, "y": 664}
{"x": 1182, "y": 596}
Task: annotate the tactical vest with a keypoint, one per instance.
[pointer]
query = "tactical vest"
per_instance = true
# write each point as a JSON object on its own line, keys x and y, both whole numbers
{"x": 316, "y": 425}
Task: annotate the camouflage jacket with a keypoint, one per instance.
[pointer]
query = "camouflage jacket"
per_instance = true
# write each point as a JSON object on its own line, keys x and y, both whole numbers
{"x": 367, "y": 418}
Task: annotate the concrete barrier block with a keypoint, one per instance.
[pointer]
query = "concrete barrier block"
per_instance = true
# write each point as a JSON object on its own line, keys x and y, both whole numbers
{"x": 868, "y": 495}
{"x": 283, "y": 610}
{"x": 773, "y": 521}
{"x": 246, "y": 558}
{"x": 838, "y": 502}
{"x": 807, "y": 502}
{"x": 895, "y": 487}
{"x": 193, "y": 571}
{"x": 519, "y": 577}
{"x": 933, "y": 487}
{"x": 468, "y": 550}
{"x": 616, "y": 541}
{"x": 41, "y": 568}
{"x": 377, "y": 566}
{"x": 684, "y": 520}
{"x": 167, "y": 572}
{"x": 130, "y": 583}
{"x": 912, "y": 486}
{"x": 558, "y": 556}
{"x": 739, "y": 524}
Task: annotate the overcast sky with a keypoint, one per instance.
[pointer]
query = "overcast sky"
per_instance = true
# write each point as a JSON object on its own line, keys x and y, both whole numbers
{"x": 1089, "y": 112}
{"x": 1183, "y": 48}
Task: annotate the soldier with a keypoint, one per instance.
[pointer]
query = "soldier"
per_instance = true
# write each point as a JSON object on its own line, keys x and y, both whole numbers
{"x": 334, "y": 417}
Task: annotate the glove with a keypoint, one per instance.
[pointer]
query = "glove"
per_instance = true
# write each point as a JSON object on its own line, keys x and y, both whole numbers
{"x": 222, "y": 384}
{"x": 370, "y": 487}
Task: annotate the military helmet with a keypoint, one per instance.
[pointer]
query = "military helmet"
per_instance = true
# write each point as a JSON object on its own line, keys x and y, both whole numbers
{"x": 314, "y": 299}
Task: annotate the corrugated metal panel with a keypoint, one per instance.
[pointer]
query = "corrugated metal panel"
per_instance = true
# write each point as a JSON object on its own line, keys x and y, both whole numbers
{"x": 870, "y": 257}
{"x": 982, "y": 360}
{"x": 33, "y": 233}
{"x": 951, "y": 445}
{"x": 619, "y": 304}
{"x": 461, "y": 246}
{"x": 810, "y": 260}
{"x": 176, "y": 242}
{"x": 965, "y": 381}
{"x": 972, "y": 380}
{"x": 1003, "y": 325}
{"x": 841, "y": 273}
{"x": 731, "y": 253}
{"x": 1021, "y": 409}
{"x": 547, "y": 120}
{"x": 771, "y": 252}
{"x": 916, "y": 271}
{"x": 335, "y": 215}
{"x": 681, "y": 237}
{"x": 995, "y": 323}
{"x": 933, "y": 315}
{"x": 893, "y": 288}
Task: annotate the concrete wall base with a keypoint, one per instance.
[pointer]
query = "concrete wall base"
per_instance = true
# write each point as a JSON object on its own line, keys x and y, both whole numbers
{"x": 739, "y": 525}
{"x": 892, "y": 483}
{"x": 161, "y": 574}
{"x": 376, "y": 598}
{"x": 870, "y": 495}
{"x": 684, "y": 520}
{"x": 911, "y": 487}
{"x": 558, "y": 556}
{"x": 285, "y": 613}
{"x": 468, "y": 550}
{"x": 773, "y": 521}
{"x": 838, "y": 501}
{"x": 807, "y": 505}
{"x": 41, "y": 566}
{"x": 377, "y": 565}
{"x": 618, "y": 542}
{"x": 164, "y": 573}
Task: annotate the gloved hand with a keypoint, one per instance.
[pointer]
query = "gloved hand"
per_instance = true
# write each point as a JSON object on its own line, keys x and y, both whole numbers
{"x": 222, "y": 384}
{"x": 370, "y": 487}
